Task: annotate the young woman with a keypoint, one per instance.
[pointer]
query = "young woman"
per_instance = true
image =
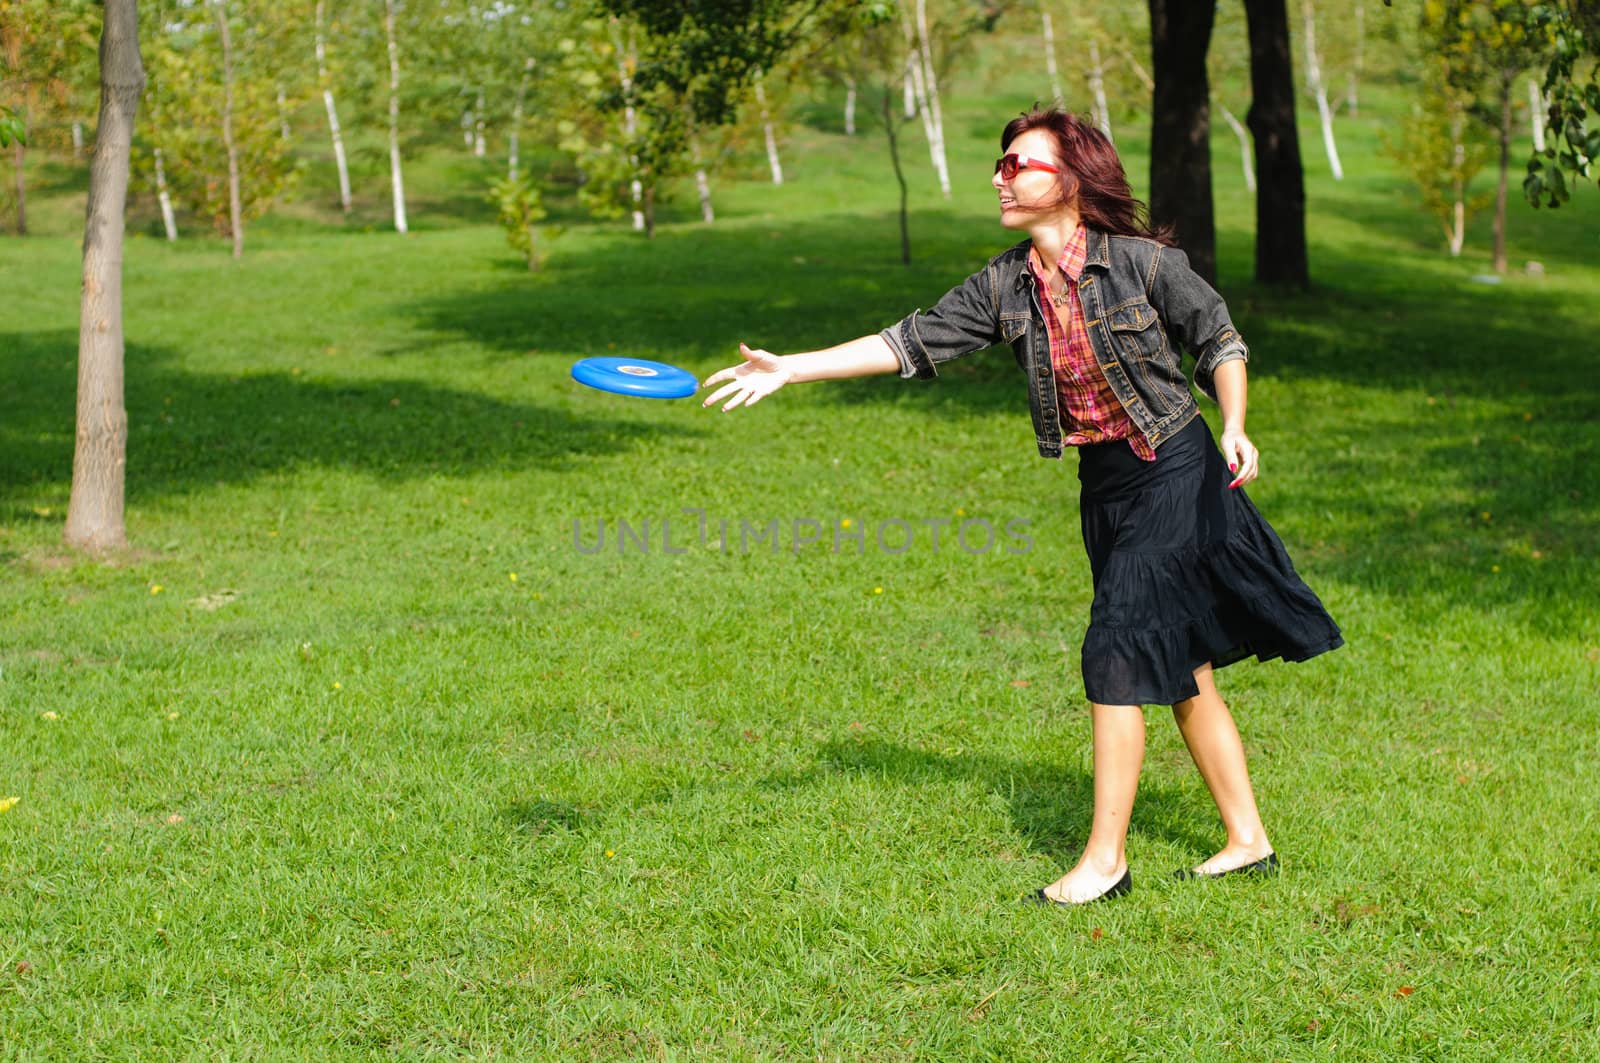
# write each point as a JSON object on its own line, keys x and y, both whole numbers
{"x": 1187, "y": 575}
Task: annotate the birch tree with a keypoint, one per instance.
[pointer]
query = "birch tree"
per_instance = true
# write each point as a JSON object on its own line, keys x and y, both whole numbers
{"x": 1442, "y": 150}
{"x": 235, "y": 206}
{"x": 1319, "y": 89}
{"x": 325, "y": 84}
{"x": 95, "y": 518}
{"x": 397, "y": 185}
{"x": 1050, "y": 54}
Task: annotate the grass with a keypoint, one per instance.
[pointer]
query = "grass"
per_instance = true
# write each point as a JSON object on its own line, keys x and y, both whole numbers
{"x": 354, "y": 754}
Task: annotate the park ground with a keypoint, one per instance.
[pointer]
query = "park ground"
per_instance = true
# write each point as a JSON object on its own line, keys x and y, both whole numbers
{"x": 357, "y": 753}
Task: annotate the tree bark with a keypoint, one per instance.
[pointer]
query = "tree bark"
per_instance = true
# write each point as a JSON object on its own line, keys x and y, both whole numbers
{"x": 1281, "y": 195}
{"x": 167, "y": 220}
{"x": 235, "y": 205}
{"x": 925, "y": 51}
{"x": 899, "y": 175}
{"x": 849, "y": 106}
{"x": 1050, "y": 60}
{"x": 1536, "y": 112}
{"x": 1319, "y": 89}
{"x": 333, "y": 113}
{"x": 1097, "y": 88}
{"x": 1180, "y": 133}
{"x": 479, "y": 141}
{"x": 516, "y": 115}
{"x": 773, "y": 163}
{"x": 99, "y": 461}
{"x": 18, "y": 154}
{"x": 1506, "y": 79}
{"x": 630, "y": 123}
{"x": 1243, "y": 135}
{"x": 396, "y": 180}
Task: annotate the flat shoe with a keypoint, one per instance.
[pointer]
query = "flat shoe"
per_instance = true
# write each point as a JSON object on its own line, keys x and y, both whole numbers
{"x": 1122, "y": 886}
{"x": 1266, "y": 866}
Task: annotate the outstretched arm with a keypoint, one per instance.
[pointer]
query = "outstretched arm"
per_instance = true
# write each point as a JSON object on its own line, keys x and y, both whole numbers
{"x": 762, "y": 372}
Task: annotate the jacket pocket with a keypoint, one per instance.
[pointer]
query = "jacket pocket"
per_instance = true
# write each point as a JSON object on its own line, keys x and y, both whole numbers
{"x": 1012, "y": 326}
{"x": 1136, "y": 331}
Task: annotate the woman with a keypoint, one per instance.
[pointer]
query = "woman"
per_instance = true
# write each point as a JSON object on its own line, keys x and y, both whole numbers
{"x": 1187, "y": 575}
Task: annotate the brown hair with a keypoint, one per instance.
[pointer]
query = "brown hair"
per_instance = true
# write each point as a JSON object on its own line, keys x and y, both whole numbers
{"x": 1091, "y": 173}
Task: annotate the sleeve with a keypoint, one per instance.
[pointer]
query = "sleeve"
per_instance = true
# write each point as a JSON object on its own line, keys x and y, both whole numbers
{"x": 965, "y": 319}
{"x": 1194, "y": 315}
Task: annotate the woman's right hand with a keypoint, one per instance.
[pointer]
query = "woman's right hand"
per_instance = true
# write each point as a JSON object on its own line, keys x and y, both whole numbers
{"x": 759, "y": 375}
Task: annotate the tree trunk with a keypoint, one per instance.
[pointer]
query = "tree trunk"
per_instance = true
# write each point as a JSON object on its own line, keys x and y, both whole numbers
{"x": 167, "y": 220}
{"x": 77, "y": 140}
{"x": 925, "y": 50}
{"x": 702, "y": 184}
{"x": 396, "y": 181}
{"x": 1536, "y": 111}
{"x": 1281, "y": 199}
{"x": 1505, "y": 168}
{"x": 899, "y": 175}
{"x": 284, "y": 133}
{"x": 235, "y": 206}
{"x": 1351, "y": 88}
{"x": 1180, "y": 134}
{"x": 1050, "y": 60}
{"x": 1240, "y": 132}
{"x": 773, "y": 162}
{"x": 630, "y": 124}
{"x": 910, "y": 93}
{"x": 650, "y": 211}
{"x": 1320, "y": 90}
{"x": 914, "y": 65}
{"x": 479, "y": 142}
{"x": 516, "y": 114}
{"x": 333, "y": 114}
{"x": 849, "y": 106}
{"x": 1457, "y": 233}
{"x": 99, "y": 461}
{"x": 17, "y": 155}
{"x": 1097, "y": 87}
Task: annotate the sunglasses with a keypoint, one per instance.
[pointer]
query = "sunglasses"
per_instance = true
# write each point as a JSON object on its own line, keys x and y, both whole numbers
{"x": 1008, "y": 166}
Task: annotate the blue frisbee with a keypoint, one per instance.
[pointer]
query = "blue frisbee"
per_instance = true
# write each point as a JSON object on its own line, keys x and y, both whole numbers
{"x": 635, "y": 376}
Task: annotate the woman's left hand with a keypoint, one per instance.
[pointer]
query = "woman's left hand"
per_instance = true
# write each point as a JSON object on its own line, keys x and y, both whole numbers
{"x": 1244, "y": 460}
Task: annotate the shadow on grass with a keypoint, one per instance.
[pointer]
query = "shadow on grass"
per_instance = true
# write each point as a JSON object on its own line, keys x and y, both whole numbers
{"x": 1050, "y": 804}
{"x": 211, "y": 430}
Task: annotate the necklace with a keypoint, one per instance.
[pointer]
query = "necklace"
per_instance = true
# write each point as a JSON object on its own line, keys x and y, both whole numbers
{"x": 1059, "y": 298}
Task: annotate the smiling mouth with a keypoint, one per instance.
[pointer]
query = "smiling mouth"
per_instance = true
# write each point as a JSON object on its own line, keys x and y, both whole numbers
{"x": 1004, "y": 202}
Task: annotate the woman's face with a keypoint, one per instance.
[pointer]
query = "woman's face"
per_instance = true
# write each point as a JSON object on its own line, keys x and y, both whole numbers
{"x": 1024, "y": 198}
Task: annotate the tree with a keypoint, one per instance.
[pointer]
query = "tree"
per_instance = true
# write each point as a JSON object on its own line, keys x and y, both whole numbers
{"x": 1438, "y": 150}
{"x": 95, "y": 510}
{"x": 1488, "y": 44}
{"x": 1180, "y": 129}
{"x": 1573, "y": 29}
{"x": 1280, "y": 193}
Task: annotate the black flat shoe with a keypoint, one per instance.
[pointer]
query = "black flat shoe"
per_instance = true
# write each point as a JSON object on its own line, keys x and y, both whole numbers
{"x": 1266, "y": 866}
{"x": 1122, "y": 886}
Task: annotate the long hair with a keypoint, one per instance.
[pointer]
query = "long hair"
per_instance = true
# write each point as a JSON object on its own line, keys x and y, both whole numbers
{"x": 1091, "y": 172}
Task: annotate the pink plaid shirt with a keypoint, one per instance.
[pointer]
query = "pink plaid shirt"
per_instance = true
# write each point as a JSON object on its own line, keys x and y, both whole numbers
{"x": 1090, "y": 412}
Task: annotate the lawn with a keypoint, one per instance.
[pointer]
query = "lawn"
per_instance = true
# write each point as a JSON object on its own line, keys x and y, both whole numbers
{"x": 360, "y": 752}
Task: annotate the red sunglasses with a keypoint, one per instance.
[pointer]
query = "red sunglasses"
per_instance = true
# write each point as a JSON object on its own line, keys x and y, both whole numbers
{"x": 1008, "y": 166}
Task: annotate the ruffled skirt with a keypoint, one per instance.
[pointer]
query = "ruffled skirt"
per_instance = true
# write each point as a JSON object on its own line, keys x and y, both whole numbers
{"x": 1186, "y": 572}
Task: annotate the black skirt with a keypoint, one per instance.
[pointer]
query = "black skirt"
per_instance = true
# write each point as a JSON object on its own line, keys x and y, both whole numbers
{"x": 1186, "y": 572}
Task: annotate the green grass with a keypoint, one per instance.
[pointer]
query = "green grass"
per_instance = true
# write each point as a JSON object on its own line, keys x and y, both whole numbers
{"x": 307, "y": 773}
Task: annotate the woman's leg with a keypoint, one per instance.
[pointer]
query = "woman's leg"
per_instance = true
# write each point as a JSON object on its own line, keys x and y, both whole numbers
{"x": 1118, "y": 755}
{"x": 1213, "y": 741}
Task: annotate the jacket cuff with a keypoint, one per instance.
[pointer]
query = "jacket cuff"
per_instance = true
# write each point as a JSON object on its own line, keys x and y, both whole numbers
{"x": 1227, "y": 349}
{"x": 908, "y": 350}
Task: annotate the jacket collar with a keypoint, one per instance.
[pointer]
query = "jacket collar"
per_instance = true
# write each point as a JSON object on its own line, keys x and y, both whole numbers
{"x": 1099, "y": 255}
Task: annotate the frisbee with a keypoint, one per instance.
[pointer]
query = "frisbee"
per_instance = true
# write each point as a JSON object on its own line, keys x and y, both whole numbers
{"x": 635, "y": 376}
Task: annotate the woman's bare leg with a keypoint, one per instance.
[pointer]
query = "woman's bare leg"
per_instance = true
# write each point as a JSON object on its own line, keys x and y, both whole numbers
{"x": 1213, "y": 740}
{"x": 1118, "y": 755}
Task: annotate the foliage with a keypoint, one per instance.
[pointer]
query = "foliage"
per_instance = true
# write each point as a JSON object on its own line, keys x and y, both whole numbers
{"x": 12, "y": 128}
{"x": 520, "y": 208}
{"x": 183, "y": 115}
{"x": 1574, "y": 146}
{"x": 47, "y": 52}
{"x": 1441, "y": 151}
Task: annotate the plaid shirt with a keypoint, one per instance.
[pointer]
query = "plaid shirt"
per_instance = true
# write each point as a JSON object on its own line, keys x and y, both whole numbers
{"x": 1090, "y": 412}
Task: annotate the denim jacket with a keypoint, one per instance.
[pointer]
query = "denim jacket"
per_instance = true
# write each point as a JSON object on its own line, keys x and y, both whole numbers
{"x": 1138, "y": 297}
